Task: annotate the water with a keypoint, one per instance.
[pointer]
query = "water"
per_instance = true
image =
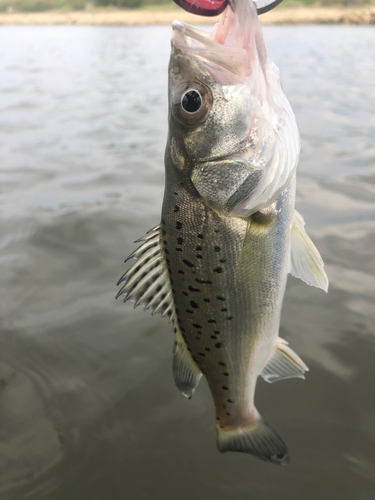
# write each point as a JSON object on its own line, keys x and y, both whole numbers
{"x": 88, "y": 408}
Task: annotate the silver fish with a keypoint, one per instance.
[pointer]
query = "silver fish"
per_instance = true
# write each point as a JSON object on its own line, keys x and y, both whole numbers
{"x": 217, "y": 264}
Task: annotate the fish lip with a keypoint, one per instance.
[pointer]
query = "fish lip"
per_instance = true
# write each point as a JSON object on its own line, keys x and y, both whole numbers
{"x": 214, "y": 52}
{"x": 243, "y": 152}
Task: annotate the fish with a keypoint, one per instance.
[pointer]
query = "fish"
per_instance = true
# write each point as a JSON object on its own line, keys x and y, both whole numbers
{"x": 217, "y": 263}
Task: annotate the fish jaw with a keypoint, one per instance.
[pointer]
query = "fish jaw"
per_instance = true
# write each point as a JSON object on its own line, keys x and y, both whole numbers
{"x": 248, "y": 122}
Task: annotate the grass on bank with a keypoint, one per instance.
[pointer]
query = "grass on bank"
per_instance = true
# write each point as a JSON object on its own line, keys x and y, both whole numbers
{"x": 68, "y": 5}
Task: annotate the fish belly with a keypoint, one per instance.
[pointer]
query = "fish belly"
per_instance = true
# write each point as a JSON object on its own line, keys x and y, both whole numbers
{"x": 228, "y": 277}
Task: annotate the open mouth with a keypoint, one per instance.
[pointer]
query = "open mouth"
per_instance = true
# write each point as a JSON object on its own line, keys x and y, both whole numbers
{"x": 234, "y": 43}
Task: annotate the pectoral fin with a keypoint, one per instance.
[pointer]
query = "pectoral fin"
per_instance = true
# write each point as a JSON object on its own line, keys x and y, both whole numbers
{"x": 306, "y": 262}
{"x": 283, "y": 363}
{"x": 186, "y": 373}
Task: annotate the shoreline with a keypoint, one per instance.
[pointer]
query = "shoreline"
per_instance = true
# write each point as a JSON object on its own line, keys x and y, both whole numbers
{"x": 292, "y": 15}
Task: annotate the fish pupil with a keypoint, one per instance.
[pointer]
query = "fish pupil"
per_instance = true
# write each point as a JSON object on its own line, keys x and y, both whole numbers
{"x": 191, "y": 101}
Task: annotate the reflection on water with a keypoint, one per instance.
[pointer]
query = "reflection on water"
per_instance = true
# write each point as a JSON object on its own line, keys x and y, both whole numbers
{"x": 88, "y": 406}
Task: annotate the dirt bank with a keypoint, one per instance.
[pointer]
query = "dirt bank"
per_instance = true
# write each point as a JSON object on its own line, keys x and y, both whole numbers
{"x": 300, "y": 15}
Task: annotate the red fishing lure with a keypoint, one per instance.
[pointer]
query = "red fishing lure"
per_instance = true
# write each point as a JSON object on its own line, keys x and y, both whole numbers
{"x": 215, "y": 7}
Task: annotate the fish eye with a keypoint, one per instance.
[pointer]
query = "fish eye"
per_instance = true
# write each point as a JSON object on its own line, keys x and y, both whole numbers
{"x": 191, "y": 103}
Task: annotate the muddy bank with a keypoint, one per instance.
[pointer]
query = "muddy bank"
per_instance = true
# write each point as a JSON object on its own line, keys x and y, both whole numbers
{"x": 300, "y": 15}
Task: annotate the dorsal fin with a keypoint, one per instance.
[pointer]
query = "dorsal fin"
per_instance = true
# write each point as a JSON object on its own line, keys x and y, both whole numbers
{"x": 186, "y": 373}
{"x": 147, "y": 280}
{"x": 306, "y": 262}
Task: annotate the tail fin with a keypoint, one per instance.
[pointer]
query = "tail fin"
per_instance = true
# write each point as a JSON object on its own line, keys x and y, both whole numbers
{"x": 259, "y": 440}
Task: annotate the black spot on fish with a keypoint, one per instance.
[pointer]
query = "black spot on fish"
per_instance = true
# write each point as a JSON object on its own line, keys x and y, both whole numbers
{"x": 174, "y": 192}
{"x": 182, "y": 329}
{"x": 218, "y": 345}
{"x": 168, "y": 261}
{"x": 164, "y": 232}
{"x": 175, "y": 330}
{"x": 178, "y": 249}
{"x": 217, "y": 418}
{"x": 195, "y": 325}
{"x": 226, "y": 374}
{"x": 206, "y": 300}
{"x": 194, "y": 304}
{"x": 228, "y": 414}
{"x": 217, "y": 249}
{"x": 180, "y": 241}
{"x": 200, "y": 236}
{"x": 178, "y": 225}
{"x": 213, "y": 337}
{"x": 211, "y": 321}
{"x": 220, "y": 298}
{"x": 176, "y": 208}
{"x": 223, "y": 260}
{"x": 188, "y": 311}
{"x": 165, "y": 242}
{"x": 198, "y": 256}
{"x": 217, "y": 230}
{"x": 201, "y": 354}
{"x": 180, "y": 272}
{"x": 218, "y": 270}
{"x": 229, "y": 318}
{"x": 221, "y": 363}
{"x": 199, "y": 333}
{"x": 207, "y": 349}
{"x": 223, "y": 310}
{"x": 189, "y": 264}
{"x": 229, "y": 401}
{"x": 192, "y": 289}
{"x": 225, "y": 388}
{"x": 166, "y": 251}
{"x": 199, "y": 248}
{"x": 197, "y": 338}
{"x": 185, "y": 293}
{"x": 203, "y": 282}
{"x": 189, "y": 349}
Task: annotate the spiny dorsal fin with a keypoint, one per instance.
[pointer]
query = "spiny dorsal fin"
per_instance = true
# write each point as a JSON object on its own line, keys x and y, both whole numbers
{"x": 284, "y": 363}
{"x": 186, "y": 373}
{"x": 306, "y": 262}
{"x": 147, "y": 280}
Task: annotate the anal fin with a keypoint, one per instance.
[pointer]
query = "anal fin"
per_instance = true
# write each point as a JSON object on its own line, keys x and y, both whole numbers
{"x": 306, "y": 262}
{"x": 186, "y": 373}
{"x": 284, "y": 363}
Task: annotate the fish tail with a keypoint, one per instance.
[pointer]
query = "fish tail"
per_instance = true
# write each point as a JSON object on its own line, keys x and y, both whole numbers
{"x": 259, "y": 440}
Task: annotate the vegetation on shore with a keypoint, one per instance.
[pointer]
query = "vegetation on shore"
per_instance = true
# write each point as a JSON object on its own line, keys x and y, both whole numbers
{"x": 45, "y": 5}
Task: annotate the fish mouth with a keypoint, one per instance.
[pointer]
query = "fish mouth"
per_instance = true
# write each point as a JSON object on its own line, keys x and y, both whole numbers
{"x": 234, "y": 44}
{"x": 199, "y": 44}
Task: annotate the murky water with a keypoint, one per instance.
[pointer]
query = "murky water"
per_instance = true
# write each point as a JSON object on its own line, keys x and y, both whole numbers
{"x": 88, "y": 405}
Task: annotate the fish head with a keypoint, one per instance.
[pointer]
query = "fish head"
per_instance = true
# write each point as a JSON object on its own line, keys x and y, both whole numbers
{"x": 231, "y": 128}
